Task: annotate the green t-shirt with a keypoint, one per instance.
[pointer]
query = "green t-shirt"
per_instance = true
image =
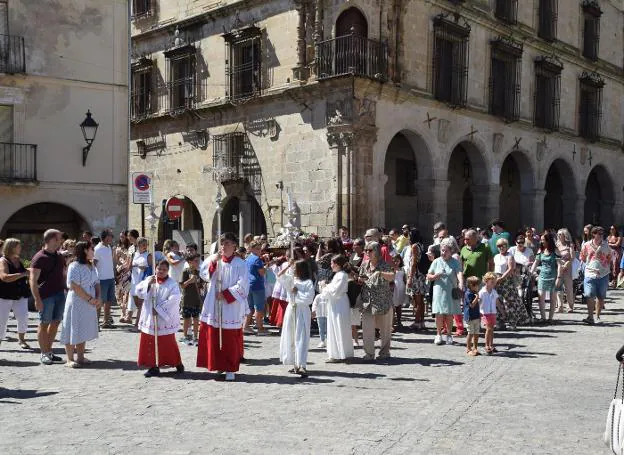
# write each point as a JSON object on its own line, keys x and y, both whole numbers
{"x": 496, "y": 237}
{"x": 476, "y": 260}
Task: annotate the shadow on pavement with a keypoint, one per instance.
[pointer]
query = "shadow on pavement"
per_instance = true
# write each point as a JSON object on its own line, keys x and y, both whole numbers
{"x": 262, "y": 362}
{"x": 348, "y": 375}
{"x": 286, "y": 378}
{"x": 15, "y": 363}
{"x": 522, "y": 354}
{"x": 21, "y": 395}
{"x": 110, "y": 364}
{"x": 425, "y": 362}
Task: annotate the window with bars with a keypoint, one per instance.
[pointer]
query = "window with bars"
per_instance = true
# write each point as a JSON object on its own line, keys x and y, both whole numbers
{"x": 234, "y": 152}
{"x": 547, "y": 26}
{"x": 590, "y": 102}
{"x": 547, "y": 93}
{"x": 141, "y": 89}
{"x": 244, "y": 63}
{"x": 591, "y": 29}
{"x": 505, "y": 76}
{"x": 507, "y": 11}
{"x": 405, "y": 173}
{"x": 450, "y": 61}
{"x": 141, "y": 8}
{"x": 181, "y": 78}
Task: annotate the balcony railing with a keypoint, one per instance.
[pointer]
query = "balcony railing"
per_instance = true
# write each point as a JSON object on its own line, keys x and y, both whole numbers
{"x": 12, "y": 56}
{"x": 352, "y": 54}
{"x": 18, "y": 162}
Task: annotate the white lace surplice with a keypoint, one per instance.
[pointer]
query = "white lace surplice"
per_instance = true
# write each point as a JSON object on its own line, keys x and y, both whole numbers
{"x": 295, "y": 339}
{"x": 167, "y": 303}
{"x": 339, "y": 341}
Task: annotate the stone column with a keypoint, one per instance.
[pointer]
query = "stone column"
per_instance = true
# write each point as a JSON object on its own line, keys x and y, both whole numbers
{"x": 535, "y": 215}
{"x": 300, "y": 72}
{"x": 434, "y": 199}
{"x": 486, "y": 204}
{"x": 365, "y": 188}
{"x": 340, "y": 139}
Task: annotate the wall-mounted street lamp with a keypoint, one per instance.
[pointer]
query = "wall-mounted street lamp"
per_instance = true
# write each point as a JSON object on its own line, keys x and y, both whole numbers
{"x": 89, "y": 129}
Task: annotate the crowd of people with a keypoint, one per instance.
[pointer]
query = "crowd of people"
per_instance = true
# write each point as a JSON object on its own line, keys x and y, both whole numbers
{"x": 349, "y": 289}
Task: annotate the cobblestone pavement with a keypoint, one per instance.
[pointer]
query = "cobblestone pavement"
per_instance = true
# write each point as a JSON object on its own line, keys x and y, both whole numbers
{"x": 547, "y": 391}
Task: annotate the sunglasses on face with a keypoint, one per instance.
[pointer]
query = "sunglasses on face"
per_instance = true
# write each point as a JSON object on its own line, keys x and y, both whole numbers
{"x": 501, "y": 246}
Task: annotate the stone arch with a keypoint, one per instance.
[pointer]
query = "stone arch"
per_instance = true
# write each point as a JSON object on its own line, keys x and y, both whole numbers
{"x": 189, "y": 228}
{"x": 560, "y": 197}
{"x": 240, "y": 204}
{"x": 599, "y": 197}
{"x": 407, "y": 168}
{"x": 517, "y": 183}
{"x": 467, "y": 195}
{"x": 351, "y": 19}
{"x": 29, "y": 223}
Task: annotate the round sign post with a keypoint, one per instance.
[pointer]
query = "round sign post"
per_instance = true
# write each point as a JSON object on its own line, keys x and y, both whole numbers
{"x": 174, "y": 207}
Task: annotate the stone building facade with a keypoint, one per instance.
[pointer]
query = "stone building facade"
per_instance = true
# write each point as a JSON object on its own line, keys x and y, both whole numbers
{"x": 381, "y": 112}
{"x": 58, "y": 60}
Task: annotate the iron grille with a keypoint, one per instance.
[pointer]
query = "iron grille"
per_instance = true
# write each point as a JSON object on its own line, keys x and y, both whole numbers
{"x": 243, "y": 68}
{"x": 141, "y": 95}
{"x": 450, "y": 61}
{"x": 591, "y": 34}
{"x": 507, "y": 11}
{"x": 505, "y": 76}
{"x": 181, "y": 86}
{"x": 12, "y": 54}
{"x": 547, "y": 93}
{"x": 352, "y": 54}
{"x": 547, "y": 20}
{"x": 141, "y": 8}
{"x": 590, "y": 113}
{"x": 18, "y": 162}
{"x": 234, "y": 151}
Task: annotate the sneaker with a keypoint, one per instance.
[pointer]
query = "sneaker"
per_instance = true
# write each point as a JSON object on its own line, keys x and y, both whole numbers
{"x": 180, "y": 369}
{"x": 55, "y": 358}
{"x": 46, "y": 360}
{"x": 229, "y": 376}
{"x": 189, "y": 341}
{"x": 598, "y": 321}
{"x": 322, "y": 345}
{"x": 438, "y": 340}
{"x": 449, "y": 339}
{"x": 589, "y": 321}
{"x": 154, "y": 371}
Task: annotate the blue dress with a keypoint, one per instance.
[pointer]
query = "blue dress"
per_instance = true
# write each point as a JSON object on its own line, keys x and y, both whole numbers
{"x": 442, "y": 300}
{"x": 80, "y": 321}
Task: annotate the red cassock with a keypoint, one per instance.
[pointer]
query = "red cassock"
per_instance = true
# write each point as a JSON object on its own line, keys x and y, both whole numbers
{"x": 230, "y": 276}
{"x": 278, "y": 309}
{"x": 168, "y": 351}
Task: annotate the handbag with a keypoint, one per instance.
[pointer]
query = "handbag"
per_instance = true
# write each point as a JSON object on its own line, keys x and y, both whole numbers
{"x": 456, "y": 293}
{"x": 614, "y": 427}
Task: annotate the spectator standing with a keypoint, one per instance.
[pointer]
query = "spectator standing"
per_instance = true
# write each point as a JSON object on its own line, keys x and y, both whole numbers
{"x": 476, "y": 257}
{"x": 192, "y": 286}
{"x": 80, "y": 320}
{"x": 14, "y": 290}
{"x": 597, "y": 256}
{"x": 498, "y": 232}
{"x": 47, "y": 286}
{"x": 256, "y": 296}
{"x": 104, "y": 260}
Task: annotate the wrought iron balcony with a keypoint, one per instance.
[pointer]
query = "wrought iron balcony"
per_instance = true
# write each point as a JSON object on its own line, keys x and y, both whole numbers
{"x": 12, "y": 56}
{"x": 18, "y": 162}
{"x": 180, "y": 95}
{"x": 141, "y": 104}
{"x": 352, "y": 54}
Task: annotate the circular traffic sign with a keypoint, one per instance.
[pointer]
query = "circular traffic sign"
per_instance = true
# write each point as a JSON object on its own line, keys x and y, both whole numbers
{"x": 174, "y": 207}
{"x": 142, "y": 182}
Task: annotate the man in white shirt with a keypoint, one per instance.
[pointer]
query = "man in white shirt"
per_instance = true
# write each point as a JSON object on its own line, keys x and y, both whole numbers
{"x": 104, "y": 262}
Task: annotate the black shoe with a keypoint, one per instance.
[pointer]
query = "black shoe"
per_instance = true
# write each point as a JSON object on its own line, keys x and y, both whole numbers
{"x": 180, "y": 369}
{"x": 154, "y": 371}
{"x": 56, "y": 359}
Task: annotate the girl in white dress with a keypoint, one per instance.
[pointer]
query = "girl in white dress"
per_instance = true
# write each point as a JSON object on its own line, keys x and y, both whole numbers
{"x": 339, "y": 341}
{"x": 398, "y": 294}
{"x": 295, "y": 339}
{"x": 80, "y": 321}
{"x": 174, "y": 258}
{"x": 140, "y": 261}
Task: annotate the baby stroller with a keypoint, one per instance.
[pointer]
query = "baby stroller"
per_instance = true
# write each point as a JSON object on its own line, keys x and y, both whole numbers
{"x": 527, "y": 291}
{"x": 577, "y": 286}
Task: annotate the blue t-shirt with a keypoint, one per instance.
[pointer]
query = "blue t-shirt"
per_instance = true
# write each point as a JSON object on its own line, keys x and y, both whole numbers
{"x": 254, "y": 263}
{"x": 470, "y": 313}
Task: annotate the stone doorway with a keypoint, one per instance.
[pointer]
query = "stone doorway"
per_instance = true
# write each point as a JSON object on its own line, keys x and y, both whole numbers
{"x": 599, "y": 198}
{"x": 29, "y": 223}
{"x": 353, "y": 21}
{"x": 241, "y": 215}
{"x": 516, "y": 182}
{"x": 467, "y": 175}
{"x": 560, "y": 198}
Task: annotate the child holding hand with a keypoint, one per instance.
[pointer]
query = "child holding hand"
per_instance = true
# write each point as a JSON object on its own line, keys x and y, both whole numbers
{"x": 488, "y": 298}
{"x": 472, "y": 315}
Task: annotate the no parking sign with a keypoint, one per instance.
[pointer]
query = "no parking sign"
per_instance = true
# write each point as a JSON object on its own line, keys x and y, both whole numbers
{"x": 141, "y": 188}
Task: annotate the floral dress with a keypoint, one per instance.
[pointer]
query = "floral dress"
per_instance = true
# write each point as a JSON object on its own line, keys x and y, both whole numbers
{"x": 419, "y": 280}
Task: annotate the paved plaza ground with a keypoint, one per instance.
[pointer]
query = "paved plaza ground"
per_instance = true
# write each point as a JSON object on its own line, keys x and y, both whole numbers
{"x": 547, "y": 391}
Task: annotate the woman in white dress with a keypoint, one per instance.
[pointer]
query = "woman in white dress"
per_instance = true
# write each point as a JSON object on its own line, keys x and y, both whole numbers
{"x": 339, "y": 341}
{"x": 80, "y": 321}
{"x": 295, "y": 338}
{"x": 140, "y": 261}
{"x": 174, "y": 258}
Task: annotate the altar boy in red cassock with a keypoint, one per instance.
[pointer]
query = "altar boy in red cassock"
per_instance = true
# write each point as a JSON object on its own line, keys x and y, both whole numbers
{"x": 225, "y": 307}
{"x": 161, "y": 299}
